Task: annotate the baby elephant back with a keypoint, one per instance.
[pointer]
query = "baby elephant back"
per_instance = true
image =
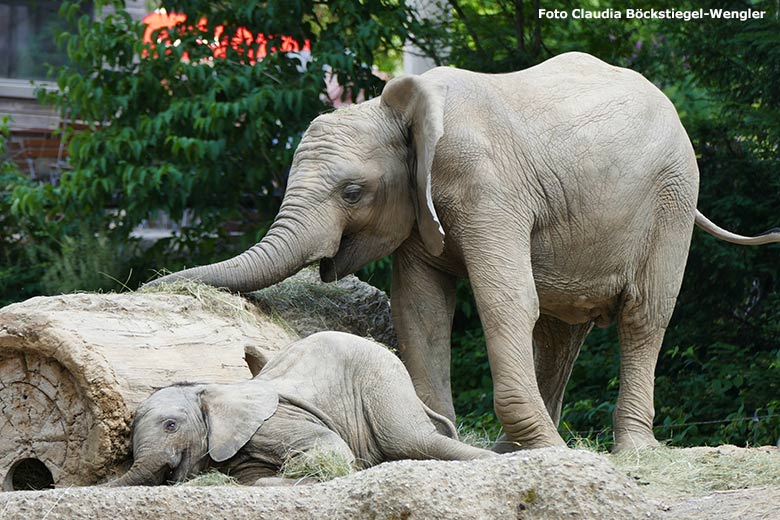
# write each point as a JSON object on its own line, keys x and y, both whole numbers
{"x": 332, "y": 365}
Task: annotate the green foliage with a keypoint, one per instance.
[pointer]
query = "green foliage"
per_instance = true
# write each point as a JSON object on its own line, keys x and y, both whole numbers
{"x": 82, "y": 262}
{"x": 18, "y": 278}
{"x": 171, "y": 127}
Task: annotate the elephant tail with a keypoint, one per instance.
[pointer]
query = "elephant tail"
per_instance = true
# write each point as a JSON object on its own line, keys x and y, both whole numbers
{"x": 767, "y": 237}
{"x": 442, "y": 424}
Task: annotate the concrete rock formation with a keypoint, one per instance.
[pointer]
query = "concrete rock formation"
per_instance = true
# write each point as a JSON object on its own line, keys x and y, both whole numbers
{"x": 540, "y": 484}
{"x": 309, "y": 305}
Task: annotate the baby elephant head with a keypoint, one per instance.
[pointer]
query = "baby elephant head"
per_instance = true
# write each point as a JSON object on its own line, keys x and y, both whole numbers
{"x": 179, "y": 428}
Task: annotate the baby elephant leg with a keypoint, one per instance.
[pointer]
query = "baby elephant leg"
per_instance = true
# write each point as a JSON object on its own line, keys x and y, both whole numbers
{"x": 404, "y": 427}
{"x": 441, "y": 447}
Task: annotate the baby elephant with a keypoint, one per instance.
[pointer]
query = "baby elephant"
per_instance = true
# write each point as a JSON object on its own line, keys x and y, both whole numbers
{"x": 331, "y": 391}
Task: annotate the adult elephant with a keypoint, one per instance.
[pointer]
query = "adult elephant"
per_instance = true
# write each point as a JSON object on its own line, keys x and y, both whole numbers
{"x": 566, "y": 193}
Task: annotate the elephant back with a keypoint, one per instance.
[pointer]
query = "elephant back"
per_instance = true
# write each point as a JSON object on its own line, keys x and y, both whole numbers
{"x": 332, "y": 371}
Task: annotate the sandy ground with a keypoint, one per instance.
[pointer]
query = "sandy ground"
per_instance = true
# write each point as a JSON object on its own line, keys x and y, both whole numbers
{"x": 743, "y": 504}
{"x": 718, "y": 483}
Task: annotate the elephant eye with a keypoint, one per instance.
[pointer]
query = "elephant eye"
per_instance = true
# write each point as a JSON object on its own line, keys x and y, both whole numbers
{"x": 352, "y": 193}
{"x": 170, "y": 426}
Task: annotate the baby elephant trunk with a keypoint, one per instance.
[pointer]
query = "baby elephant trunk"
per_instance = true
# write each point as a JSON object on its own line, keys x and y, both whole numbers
{"x": 142, "y": 473}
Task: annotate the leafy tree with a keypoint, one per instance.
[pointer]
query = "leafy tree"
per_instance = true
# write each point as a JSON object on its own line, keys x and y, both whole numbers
{"x": 193, "y": 124}
{"x": 16, "y": 280}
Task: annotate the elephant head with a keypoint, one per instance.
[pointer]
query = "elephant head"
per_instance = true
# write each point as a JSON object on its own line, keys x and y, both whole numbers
{"x": 359, "y": 181}
{"x": 180, "y": 428}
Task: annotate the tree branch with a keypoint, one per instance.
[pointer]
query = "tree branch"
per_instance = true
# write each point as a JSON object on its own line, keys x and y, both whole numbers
{"x": 520, "y": 26}
{"x": 469, "y": 29}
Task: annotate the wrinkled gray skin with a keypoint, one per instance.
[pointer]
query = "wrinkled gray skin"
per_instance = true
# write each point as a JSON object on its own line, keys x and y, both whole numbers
{"x": 566, "y": 193}
{"x": 332, "y": 390}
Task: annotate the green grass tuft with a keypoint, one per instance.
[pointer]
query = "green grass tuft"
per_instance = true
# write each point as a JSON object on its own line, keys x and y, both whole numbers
{"x": 477, "y": 437}
{"x": 211, "y": 478}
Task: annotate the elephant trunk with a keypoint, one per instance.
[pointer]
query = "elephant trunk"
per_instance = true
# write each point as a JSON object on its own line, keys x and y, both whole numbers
{"x": 285, "y": 250}
{"x": 142, "y": 473}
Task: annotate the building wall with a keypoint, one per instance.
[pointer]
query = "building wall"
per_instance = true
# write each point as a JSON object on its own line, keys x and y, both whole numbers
{"x": 18, "y": 100}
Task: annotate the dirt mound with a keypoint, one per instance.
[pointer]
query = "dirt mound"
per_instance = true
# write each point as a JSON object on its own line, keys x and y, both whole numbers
{"x": 739, "y": 504}
{"x": 539, "y": 484}
{"x": 714, "y": 483}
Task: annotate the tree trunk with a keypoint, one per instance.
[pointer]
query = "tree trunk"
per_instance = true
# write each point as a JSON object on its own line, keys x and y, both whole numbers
{"x": 74, "y": 368}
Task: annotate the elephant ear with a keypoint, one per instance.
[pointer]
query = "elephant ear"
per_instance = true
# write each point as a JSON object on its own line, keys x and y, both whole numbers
{"x": 421, "y": 104}
{"x": 234, "y": 412}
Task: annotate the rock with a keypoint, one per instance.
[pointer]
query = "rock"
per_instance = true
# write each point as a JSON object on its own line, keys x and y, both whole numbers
{"x": 539, "y": 484}
{"x": 309, "y": 305}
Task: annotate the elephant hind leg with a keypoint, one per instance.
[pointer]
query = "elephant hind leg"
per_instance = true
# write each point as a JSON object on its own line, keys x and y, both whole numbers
{"x": 556, "y": 347}
{"x": 632, "y": 419}
{"x": 644, "y": 314}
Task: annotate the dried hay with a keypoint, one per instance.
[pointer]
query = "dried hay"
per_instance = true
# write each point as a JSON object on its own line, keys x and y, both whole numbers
{"x": 700, "y": 471}
{"x": 211, "y": 298}
{"x": 211, "y": 478}
{"x": 317, "y": 464}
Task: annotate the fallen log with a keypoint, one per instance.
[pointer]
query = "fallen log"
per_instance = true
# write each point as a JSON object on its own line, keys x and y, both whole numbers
{"x": 74, "y": 368}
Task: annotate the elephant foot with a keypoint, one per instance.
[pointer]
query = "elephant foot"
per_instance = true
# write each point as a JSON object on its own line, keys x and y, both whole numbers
{"x": 627, "y": 440}
{"x": 504, "y": 444}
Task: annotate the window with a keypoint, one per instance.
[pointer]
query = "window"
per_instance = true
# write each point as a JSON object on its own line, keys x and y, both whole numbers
{"x": 27, "y": 32}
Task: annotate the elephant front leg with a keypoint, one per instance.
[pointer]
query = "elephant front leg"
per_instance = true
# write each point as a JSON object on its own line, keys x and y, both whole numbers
{"x": 423, "y": 304}
{"x": 505, "y": 293}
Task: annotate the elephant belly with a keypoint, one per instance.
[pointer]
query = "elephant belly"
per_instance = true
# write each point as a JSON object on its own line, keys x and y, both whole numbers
{"x": 582, "y": 288}
{"x": 579, "y": 277}
{"x": 579, "y": 309}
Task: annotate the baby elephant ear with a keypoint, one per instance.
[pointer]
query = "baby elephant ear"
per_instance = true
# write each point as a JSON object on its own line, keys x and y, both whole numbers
{"x": 234, "y": 412}
{"x": 421, "y": 105}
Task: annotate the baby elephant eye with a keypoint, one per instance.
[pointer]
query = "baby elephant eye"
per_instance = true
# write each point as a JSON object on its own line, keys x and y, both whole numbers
{"x": 352, "y": 193}
{"x": 170, "y": 426}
